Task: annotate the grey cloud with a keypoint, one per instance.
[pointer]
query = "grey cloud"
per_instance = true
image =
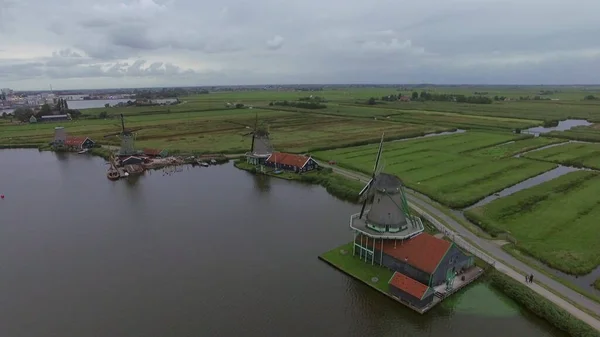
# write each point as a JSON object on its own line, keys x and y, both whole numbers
{"x": 275, "y": 43}
{"x": 233, "y": 41}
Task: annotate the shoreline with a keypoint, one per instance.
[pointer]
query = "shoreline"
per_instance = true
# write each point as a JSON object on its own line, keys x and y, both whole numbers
{"x": 336, "y": 185}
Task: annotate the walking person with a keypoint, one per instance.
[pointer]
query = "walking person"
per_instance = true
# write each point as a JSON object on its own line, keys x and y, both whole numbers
{"x": 531, "y": 278}
{"x": 526, "y": 278}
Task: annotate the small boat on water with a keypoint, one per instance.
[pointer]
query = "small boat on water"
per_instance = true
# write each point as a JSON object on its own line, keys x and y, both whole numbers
{"x": 213, "y": 162}
{"x": 83, "y": 151}
{"x": 112, "y": 174}
{"x": 203, "y": 163}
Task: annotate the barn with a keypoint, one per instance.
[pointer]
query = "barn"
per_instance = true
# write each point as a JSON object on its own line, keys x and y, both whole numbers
{"x": 424, "y": 258}
{"x": 79, "y": 143}
{"x": 291, "y": 162}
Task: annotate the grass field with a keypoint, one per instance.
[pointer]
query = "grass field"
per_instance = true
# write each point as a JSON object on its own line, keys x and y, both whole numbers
{"x": 581, "y": 133}
{"x": 359, "y": 269}
{"x": 555, "y": 222}
{"x": 514, "y": 148}
{"x": 597, "y": 284}
{"x": 571, "y": 154}
{"x": 222, "y": 131}
{"x": 441, "y": 168}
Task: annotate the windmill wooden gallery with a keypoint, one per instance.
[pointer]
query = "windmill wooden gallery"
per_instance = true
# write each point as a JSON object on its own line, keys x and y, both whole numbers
{"x": 426, "y": 268}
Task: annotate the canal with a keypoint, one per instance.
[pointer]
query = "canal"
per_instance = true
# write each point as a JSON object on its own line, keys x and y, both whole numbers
{"x": 202, "y": 252}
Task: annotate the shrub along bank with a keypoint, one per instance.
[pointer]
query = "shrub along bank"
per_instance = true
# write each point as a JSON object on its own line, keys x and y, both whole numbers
{"x": 540, "y": 306}
{"x": 336, "y": 185}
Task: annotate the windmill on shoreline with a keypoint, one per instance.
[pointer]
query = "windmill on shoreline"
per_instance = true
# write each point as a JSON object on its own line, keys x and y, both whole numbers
{"x": 127, "y": 137}
{"x": 260, "y": 148}
{"x": 389, "y": 211}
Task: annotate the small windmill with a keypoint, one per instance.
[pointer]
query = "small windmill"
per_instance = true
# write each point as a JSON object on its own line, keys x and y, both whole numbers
{"x": 127, "y": 139}
{"x": 389, "y": 211}
{"x": 260, "y": 148}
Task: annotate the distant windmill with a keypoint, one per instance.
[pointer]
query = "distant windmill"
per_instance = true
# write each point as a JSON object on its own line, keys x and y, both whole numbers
{"x": 389, "y": 211}
{"x": 127, "y": 139}
{"x": 260, "y": 148}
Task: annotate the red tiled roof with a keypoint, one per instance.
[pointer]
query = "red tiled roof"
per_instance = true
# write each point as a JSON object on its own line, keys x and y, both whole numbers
{"x": 408, "y": 285}
{"x": 74, "y": 141}
{"x": 404, "y": 98}
{"x": 295, "y": 160}
{"x": 423, "y": 251}
{"x": 152, "y": 152}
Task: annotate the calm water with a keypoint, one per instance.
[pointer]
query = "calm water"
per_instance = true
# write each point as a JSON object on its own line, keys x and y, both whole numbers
{"x": 99, "y": 103}
{"x": 562, "y": 126}
{"x": 204, "y": 252}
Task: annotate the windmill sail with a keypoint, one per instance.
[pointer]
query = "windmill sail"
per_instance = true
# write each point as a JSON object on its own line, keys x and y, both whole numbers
{"x": 370, "y": 183}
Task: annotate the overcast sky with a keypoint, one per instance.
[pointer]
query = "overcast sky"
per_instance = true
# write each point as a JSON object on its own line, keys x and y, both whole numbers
{"x": 74, "y": 44}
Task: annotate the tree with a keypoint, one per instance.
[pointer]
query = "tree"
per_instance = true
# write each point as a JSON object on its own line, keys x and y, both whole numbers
{"x": 107, "y": 105}
{"x": 45, "y": 110}
{"x": 590, "y": 98}
{"x": 2, "y": 96}
{"x": 415, "y": 95}
{"x": 23, "y": 114}
{"x": 4, "y": 114}
{"x": 371, "y": 101}
{"x": 103, "y": 115}
{"x": 75, "y": 114}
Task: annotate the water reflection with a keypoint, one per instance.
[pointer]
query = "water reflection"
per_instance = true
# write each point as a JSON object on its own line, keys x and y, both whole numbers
{"x": 262, "y": 183}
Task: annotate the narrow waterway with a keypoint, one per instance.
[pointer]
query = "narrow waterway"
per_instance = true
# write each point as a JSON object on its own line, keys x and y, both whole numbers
{"x": 565, "y": 125}
{"x": 445, "y": 133}
{"x": 531, "y": 182}
{"x": 203, "y": 252}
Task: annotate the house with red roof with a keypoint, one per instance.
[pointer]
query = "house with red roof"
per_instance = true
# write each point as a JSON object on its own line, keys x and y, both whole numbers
{"x": 424, "y": 258}
{"x": 410, "y": 290}
{"x": 79, "y": 143}
{"x": 291, "y": 162}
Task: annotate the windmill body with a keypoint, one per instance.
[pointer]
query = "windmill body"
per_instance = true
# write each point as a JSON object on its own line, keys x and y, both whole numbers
{"x": 127, "y": 137}
{"x": 261, "y": 147}
{"x": 388, "y": 215}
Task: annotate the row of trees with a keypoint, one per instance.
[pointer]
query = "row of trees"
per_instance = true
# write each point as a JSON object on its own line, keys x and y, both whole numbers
{"x": 301, "y": 105}
{"x": 427, "y": 96}
{"x": 2, "y": 96}
{"x": 317, "y": 99}
{"x": 591, "y": 98}
{"x": 23, "y": 114}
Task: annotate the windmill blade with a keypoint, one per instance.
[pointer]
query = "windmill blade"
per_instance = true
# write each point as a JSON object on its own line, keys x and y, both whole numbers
{"x": 252, "y": 146}
{"x": 380, "y": 168}
{"x": 362, "y": 210}
{"x": 378, "y": 155}
{"x": 366, "y": 188}
{"x": 133, "y": 130}
{"x": 112, "y": 134}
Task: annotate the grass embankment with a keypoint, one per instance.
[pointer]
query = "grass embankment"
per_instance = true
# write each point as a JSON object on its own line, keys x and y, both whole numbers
{"x": 555, "y": 222}
{"x": 540, "y": 306}
{"x": 597, "y": 284}
{"x": 514, "y": 148}
{"x": 357, "y": 268}
{"x": 572, "y": 154}
{"x": 337, "y": 185}
{"x": 441, "y": 166}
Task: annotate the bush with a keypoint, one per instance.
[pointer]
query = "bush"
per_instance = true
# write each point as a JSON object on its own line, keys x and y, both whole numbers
{"x": 540, "y": 306}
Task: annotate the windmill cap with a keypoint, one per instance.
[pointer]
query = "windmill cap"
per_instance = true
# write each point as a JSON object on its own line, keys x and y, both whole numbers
{"x": 388, "y": 182}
